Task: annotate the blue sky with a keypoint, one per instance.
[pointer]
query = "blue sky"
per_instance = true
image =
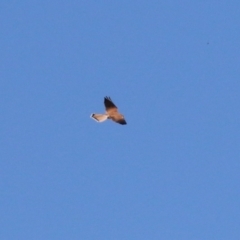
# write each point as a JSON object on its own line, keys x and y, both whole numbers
{"x": 172, "y": 68}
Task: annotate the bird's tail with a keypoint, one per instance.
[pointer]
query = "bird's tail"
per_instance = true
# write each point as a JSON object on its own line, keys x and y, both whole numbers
{"x": 99, "y": 117}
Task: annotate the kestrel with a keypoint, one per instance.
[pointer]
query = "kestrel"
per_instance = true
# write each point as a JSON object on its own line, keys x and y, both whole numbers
{"x": 111, "y": 113}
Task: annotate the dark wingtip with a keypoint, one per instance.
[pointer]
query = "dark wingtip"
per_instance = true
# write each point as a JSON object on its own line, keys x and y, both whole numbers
{"x": 106, "y": 98}
{"x": 122, "y": 122}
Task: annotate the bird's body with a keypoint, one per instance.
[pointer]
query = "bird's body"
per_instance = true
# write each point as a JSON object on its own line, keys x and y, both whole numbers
{"x": 111, "y": 113}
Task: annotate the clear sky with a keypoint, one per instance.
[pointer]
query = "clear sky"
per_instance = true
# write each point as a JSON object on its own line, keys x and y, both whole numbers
{"x": 173, "y": 70}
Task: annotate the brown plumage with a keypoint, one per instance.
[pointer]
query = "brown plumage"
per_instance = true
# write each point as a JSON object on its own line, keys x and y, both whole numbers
{"x": 111, "y": 113}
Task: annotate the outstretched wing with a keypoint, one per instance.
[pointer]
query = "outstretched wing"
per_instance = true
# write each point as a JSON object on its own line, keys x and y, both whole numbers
{"x": 118, "y": 118}
{"x": 112, "y": 111}
{"x": 121, "y": 121}
{"x": 109, "y": 105}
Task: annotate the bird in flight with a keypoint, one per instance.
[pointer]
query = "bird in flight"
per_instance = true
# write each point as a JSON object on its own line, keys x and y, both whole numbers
{"x": 111, "y": 113}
